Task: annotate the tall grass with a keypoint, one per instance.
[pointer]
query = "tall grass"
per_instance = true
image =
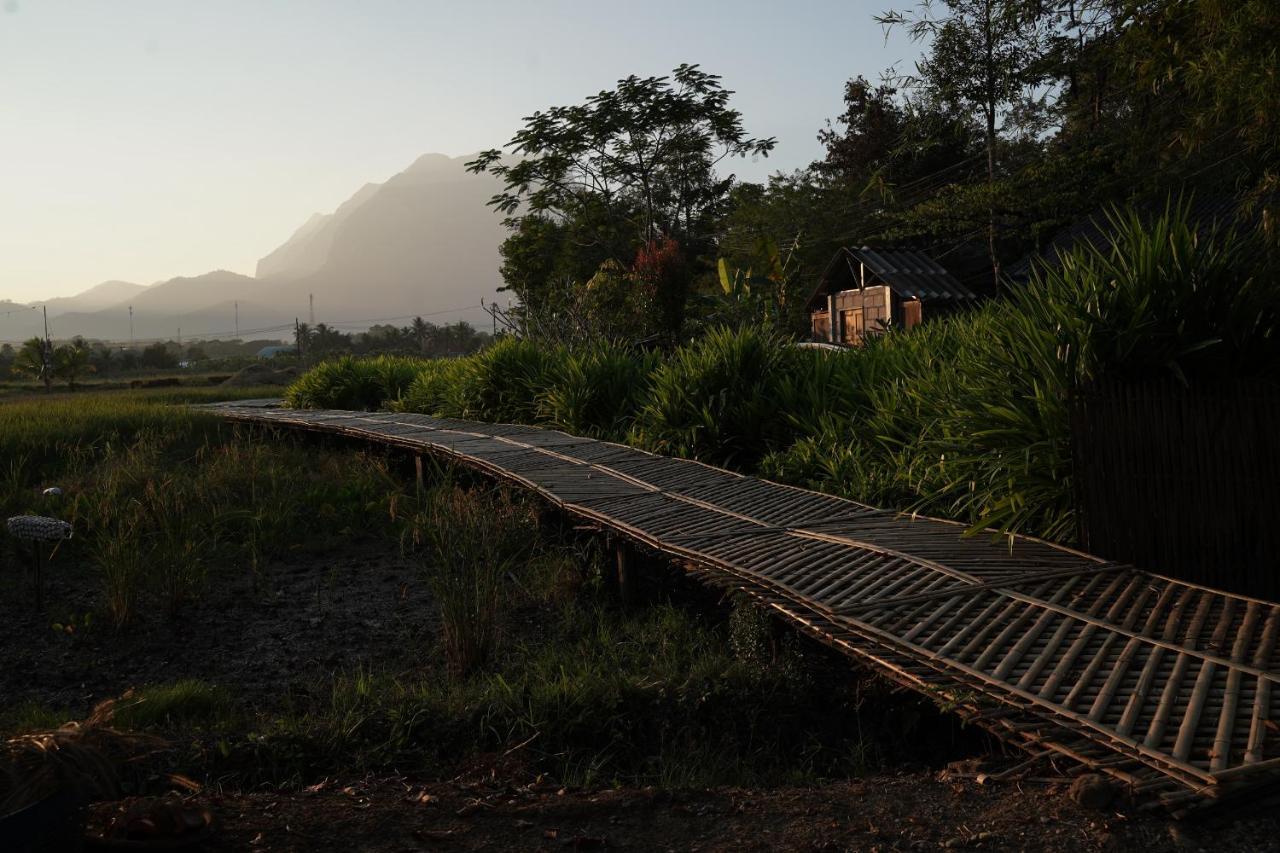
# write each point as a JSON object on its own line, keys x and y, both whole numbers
{"x": 473, "y": 541}
{"x": 159, "y": 495}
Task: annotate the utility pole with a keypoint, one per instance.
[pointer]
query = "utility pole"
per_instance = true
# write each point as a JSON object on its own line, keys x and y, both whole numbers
{"x": 312, "y": 298}
{"x": 237, "y": 320}
{"x": 297, "y": 340}
{"x": 46, "y": 359}
{"x": 130, "y": 327}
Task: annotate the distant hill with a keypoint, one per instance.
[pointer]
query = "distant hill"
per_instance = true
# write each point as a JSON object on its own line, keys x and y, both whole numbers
{"x": 97, "y": 297}
{"x": 423, "y": 242}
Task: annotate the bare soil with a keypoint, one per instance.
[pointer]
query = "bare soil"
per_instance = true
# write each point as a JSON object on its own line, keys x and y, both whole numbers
{"x": 501, "y": 811}
{"x": 303, "y": 618}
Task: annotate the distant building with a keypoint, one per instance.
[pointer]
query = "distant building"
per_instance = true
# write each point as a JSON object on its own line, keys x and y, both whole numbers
{"x": 864, "y": 291}
{"x": 273, "y": 351}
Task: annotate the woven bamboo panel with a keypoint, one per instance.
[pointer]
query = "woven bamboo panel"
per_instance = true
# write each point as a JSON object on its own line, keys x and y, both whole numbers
{"x": 1164, "y": 685}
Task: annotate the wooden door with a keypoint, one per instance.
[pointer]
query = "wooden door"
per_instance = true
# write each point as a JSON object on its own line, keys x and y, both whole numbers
{"x": 911, "y": 313}
{"x": 851, "y": 326}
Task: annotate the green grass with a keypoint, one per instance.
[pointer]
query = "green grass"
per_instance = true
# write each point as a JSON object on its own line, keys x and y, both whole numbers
{"x": 157, "y": 492}
{"x": 184, "y": 702}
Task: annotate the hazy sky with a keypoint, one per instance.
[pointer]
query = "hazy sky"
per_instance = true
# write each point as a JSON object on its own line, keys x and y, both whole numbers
{"x": 145, "y": 139}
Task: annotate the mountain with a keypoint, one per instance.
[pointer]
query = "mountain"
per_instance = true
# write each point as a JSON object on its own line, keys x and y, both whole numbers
{"x": 97, "y": 297}
{"x": 424, "y": 242}
{"x": 308, "y": 249}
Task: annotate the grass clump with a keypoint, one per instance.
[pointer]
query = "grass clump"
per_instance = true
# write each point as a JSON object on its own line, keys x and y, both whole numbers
{"x": 502, "y": 383}
{"x": 187, "y": 701}
{"x": 599, "y": 390}
{"x": 716, "y": 399}
{"x": 473, "y": 541}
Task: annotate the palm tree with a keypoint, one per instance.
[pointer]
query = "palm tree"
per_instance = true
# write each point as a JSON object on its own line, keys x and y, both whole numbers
{"x": 421, "y": 331}
{"x": 32, "y": 361}
{"x": 71, "y": 360}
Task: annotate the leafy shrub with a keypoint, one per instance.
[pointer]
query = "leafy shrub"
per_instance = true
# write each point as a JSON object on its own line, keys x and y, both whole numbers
{"x": 427, "y": 392}
{"x": 362, "y": 384}
{"x": 716, "y": 399}
{"x": 346, "y": 383}
{"x": 598, "y": 392}
{"x": 502, "y": 383}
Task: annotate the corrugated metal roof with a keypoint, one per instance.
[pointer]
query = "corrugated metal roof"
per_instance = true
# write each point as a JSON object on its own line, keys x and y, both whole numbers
{"x": 908, "y": 273}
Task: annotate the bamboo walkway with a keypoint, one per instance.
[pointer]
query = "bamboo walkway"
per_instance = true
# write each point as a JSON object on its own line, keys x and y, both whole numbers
{"x": 1162, "y": 685}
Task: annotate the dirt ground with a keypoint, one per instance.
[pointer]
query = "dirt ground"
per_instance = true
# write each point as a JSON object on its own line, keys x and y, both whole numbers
{"x": 916, "y": 811}
{"x": 307, "y": 618}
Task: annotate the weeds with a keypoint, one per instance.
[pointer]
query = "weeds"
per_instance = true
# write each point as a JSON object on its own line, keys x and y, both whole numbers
{"x": 474, "y": 540}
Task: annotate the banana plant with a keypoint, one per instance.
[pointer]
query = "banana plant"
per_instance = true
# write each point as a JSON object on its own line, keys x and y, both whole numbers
{"x": 760, "y": 295}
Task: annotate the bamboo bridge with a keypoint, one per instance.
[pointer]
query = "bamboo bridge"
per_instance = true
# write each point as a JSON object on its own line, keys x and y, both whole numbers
{"x": 1165, "y": 686}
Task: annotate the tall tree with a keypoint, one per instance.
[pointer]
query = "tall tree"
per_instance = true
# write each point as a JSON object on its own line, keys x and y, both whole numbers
{"x": 985, "y": 58}
{"x": 638, "y": 161}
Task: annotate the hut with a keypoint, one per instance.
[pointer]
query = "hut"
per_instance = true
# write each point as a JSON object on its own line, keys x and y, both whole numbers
{"x": 864, "y": 291}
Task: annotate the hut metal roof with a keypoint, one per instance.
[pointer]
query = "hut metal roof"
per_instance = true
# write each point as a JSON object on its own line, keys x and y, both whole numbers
{"x": 908, "y": 273}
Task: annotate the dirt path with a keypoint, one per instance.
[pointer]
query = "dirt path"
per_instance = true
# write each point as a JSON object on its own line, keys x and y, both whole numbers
{"x": 895, "y": 812}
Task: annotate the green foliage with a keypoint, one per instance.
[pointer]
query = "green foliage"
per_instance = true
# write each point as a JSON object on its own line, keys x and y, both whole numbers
{"x": 502, "y": 383}
{"x": 354, "y": 383}
{"x": 163, "y": 498}
{"x": 965, "y": 417}
{"x": 473, "y": 541}
{"x": 715, "y": 399}
{"x": 427, "y": 392}
{"x": 598, "y": 391}
{"x": 181, "y": 702}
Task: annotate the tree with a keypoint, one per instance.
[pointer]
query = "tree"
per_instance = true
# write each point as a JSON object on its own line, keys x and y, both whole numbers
{"x": 632, "y": 164}
{"x": 71, "y": 360}
{"x": 158, "y": 356}
{"x": 102, "y": 358}
{"x": 984, "y": 59}
{"x": 35, "y": 360}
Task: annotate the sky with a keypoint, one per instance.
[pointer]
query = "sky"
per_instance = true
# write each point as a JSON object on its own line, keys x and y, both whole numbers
{"x": 146, "y": 139}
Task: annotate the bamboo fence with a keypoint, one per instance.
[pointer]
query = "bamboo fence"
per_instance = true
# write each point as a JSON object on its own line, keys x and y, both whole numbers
{"x": 1163, "y": 685}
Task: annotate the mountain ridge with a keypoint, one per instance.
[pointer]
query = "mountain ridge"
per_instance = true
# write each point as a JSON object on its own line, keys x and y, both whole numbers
{"x": 422, "y": 242}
